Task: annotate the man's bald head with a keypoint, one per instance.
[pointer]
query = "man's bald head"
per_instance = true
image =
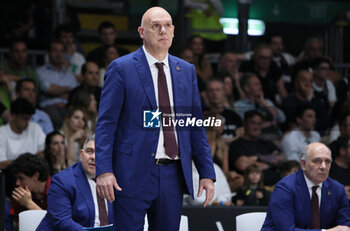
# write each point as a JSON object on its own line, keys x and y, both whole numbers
{"x": 316, "y": 161}
{"x": 150, "y": 12}
{"x": 157, "y": 32}
{"x": 314, "y": 147}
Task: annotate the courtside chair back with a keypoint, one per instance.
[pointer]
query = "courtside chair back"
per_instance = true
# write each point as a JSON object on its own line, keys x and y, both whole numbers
{"x": 29, "y": 220}
{"x": 250, "y": 221}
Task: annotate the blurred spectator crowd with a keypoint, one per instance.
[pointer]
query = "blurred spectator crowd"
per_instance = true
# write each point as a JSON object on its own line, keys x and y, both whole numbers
{"x": 271, "y": 105}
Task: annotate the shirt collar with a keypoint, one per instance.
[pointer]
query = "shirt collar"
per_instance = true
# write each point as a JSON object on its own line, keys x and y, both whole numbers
{"x": 151, "y": 60}
{"x": 310, "y": 184}
{"x": 50, "y": 67}
{"x": 247, "y": 101}
{"x": 88, "y": 176}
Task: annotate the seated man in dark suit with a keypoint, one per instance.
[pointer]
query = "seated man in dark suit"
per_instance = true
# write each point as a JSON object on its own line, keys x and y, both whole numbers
{"x": 308, "y": 199}
{"x": 72, "y": 199}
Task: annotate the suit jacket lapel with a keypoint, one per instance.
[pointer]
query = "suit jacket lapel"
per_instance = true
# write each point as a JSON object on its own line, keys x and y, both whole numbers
{"x": 145, "y": 76}
{"x": 325, "y": 203}
{"x": 84, "y": 188}
{"x": 177, "y": 81}
{"x": 304, "y": 198}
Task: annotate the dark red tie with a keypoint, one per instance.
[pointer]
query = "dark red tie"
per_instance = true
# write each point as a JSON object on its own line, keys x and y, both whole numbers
{"x": 170, "y": 144}
{"x": 102, "y": 211}
{"x": 315, "y": 209}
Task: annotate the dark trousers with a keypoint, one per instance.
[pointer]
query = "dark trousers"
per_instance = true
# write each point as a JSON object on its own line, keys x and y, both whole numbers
{"x": 161, "y": 199}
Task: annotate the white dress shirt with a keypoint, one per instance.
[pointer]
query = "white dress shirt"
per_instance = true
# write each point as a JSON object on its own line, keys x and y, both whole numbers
{"x": 154, "y": 71}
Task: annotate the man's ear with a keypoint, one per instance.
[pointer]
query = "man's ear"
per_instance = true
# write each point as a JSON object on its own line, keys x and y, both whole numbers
{"x": 298, "y": 120}
{"x": 342, "y": 151}
{"x": 36, "y": 175}
{"x": 302, "y": 164}
{"x": 81, "y": 153}
{"x": 140, "y": 30}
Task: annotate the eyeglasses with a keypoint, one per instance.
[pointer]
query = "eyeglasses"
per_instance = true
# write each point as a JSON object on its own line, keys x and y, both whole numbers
{"x": 90, "y": 151}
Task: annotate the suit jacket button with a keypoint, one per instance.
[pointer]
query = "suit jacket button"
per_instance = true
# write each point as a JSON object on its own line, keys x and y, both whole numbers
{"x": 152, "y": 154}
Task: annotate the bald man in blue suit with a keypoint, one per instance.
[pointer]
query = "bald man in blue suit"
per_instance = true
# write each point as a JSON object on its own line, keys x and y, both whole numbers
{"x": 290, "y": 206}
{"x": 135, "y": 167}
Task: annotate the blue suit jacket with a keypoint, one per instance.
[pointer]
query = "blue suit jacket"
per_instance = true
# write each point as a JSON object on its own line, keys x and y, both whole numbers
{"x": 123, "y": 146}
{"x": 70, "y": 205}
{"x": 290, "y": 205}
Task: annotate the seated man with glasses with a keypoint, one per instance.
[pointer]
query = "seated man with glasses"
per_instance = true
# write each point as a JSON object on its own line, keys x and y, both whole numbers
{"x": 72, "y": 200}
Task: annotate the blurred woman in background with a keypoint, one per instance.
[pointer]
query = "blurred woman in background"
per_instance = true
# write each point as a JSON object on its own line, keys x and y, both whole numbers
{"x": 55, "y": 152}
{"x": 87, "y": 101}
{"x": 75, "y": 129}
{"x": 110, "y": 54}
{"x": 200, "y": 61}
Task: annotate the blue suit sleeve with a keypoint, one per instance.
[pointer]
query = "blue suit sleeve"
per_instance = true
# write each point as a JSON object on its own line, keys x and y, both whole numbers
{"x": 199, "y": 143}
{"x": 111, "y": 103}
{"x": 60, "y": 208}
